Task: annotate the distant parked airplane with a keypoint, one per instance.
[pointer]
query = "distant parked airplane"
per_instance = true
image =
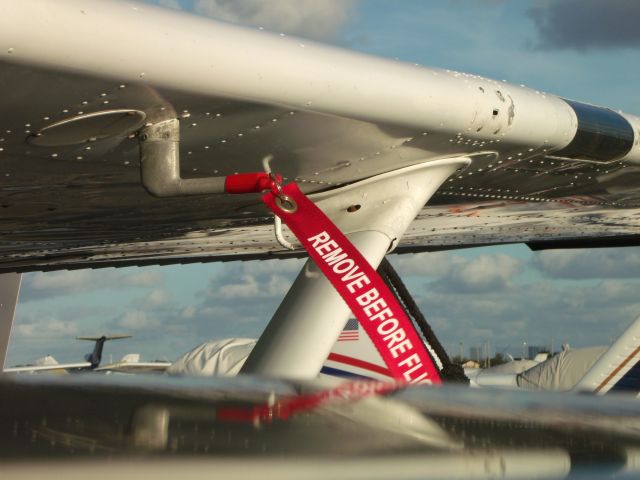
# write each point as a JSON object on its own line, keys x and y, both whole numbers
{"x": 92, "y": 359}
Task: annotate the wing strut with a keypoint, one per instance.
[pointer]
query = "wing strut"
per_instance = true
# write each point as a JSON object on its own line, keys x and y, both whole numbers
{"x": 9, "y": 292}
{"x": 374, "y": 214}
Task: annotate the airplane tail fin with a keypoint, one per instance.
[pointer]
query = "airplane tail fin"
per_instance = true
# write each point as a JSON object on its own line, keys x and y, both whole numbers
{"x": 618, "y": 369}
{"x": 355, "y": 357}
{"x": 95, "y": 357}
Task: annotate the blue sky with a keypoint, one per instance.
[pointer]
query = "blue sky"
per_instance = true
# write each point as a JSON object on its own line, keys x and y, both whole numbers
{"x": 581, "y": 49}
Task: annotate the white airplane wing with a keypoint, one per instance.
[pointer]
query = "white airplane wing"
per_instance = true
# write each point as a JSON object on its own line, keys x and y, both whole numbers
{"x": 618, "y": 369}
{"x": 83, "y": 78}
{"x": 138, "y": 367}
{"x": 48, "y": 368}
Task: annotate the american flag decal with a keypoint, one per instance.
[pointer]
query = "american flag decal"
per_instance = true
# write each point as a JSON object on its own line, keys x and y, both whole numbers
{"x": 350, "y": 332}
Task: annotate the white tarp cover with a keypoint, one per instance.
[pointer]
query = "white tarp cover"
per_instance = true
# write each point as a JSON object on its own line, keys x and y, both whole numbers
{"x": 562, "y": 371}
{"x": 219, "y": 358}
{"x": 131, "y": 358}
{"x": 46, "y": 361}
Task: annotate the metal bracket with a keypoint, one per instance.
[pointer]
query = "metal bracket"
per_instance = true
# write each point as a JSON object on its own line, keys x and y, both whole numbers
{"x": 389, "y": 202}
{"x": 160, "y": 163}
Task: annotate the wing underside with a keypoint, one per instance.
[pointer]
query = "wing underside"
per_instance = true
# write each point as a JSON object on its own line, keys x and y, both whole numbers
{"x": 71, "y": 194}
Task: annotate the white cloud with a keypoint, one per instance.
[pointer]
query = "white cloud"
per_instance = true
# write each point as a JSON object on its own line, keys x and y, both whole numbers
{"x": 25, "y": 330}
{"x": 239, "y": 300}
{"x": 309, "y": 18}
{"x": 430, "y": 264}
{"x": 65, "y": 281}
{"x": 267, "y": 279}
{"x": 145, "y": 278}
{"x": 589, "y": 264}
{"x": 52, "y": 284}
{"x": 188, "y": 312}
{"x": 137, "y": 320}
{"x": 281, "y": 267}
{"x": 456, "y": 273}
{"x": 49, "y": 328}
{"x": 486, "y": 273}
{"x": 251, "y": 287}
{"x": 154, "y": 299}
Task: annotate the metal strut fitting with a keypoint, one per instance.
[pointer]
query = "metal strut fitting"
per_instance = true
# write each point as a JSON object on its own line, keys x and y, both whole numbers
{"x": 160, "y": 164}
{"x": 374, "y": 214}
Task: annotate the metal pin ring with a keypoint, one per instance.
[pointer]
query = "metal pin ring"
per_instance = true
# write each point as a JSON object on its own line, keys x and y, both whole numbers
{"x": 286, "y": 204}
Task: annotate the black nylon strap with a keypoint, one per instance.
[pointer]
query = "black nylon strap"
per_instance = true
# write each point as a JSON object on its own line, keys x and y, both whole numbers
{"x": 451, "y": 372}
